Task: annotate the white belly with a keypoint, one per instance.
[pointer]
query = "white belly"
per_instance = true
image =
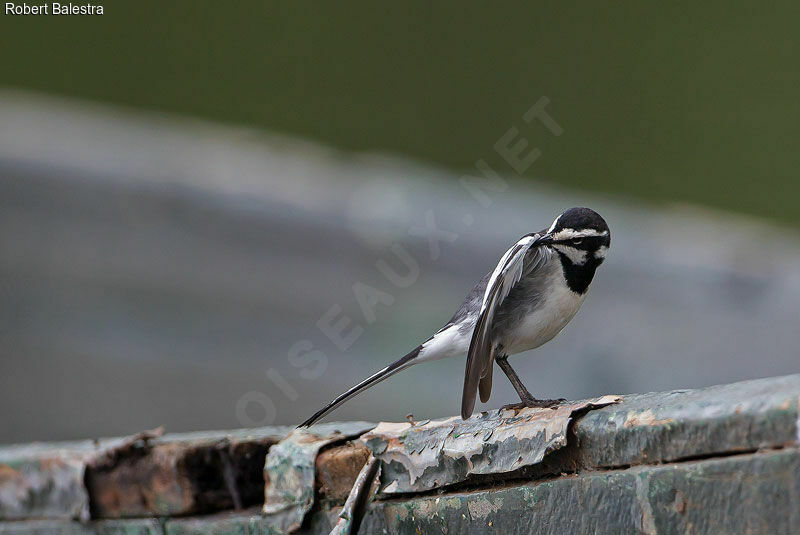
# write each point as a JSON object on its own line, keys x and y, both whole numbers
{"x": 539, "y": 327}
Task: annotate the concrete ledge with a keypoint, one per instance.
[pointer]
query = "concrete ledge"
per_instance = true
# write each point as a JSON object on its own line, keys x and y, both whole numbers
{"x": 724, "y": 459}
{"x": 750, "y": 493}
{"x": 180, "y": 475}
{"x": 143, "y": 475}
{"x": 684, "y": 424}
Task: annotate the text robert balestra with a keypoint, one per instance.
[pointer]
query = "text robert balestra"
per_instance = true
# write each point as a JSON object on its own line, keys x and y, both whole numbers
{"x": 53, "y": 8}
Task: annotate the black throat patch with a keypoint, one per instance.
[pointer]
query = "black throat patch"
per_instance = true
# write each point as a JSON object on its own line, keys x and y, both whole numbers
{"x": 578, "y": 276}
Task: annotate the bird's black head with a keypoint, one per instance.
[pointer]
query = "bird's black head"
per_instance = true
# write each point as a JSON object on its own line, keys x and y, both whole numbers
{"x": 581, "y": 238}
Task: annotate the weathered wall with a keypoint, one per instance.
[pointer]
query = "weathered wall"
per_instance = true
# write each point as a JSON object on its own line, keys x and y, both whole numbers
{"x": 724, "y": 459}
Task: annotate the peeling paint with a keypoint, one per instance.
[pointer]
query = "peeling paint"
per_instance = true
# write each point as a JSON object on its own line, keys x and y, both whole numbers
{"x": 628, "y": 472}
{"x": 364, "y": 490}
{"x": 448, "y": 451}
{"x": 290, "y": 470}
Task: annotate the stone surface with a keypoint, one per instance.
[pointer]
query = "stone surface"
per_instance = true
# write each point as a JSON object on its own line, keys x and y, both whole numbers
{"x": 365, "y": 487}
{"x": 181, "y": 474}
{"x": 251, "y": 523}
{"x": 338, "y": 468}
{"x": 668, "y": 426}
{"x": 723, "y": 459}
{"x": 65, "y": 527}
{"x": 46, "y": 480}
{"x": 139, "y": 475}
{"x": 290, "y": 471}
{"x": 747, "y": 494}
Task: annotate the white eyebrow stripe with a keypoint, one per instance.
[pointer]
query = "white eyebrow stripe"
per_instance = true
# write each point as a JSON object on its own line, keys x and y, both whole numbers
{"x": 555, "y": 222}
{"x": 568, "y": 234}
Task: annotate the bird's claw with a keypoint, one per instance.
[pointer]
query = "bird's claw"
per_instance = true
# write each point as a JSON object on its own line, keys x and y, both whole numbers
{"x": 535, "y": 403}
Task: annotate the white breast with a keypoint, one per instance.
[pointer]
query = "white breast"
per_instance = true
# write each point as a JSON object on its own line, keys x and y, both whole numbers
{"x": 559, "y": 306}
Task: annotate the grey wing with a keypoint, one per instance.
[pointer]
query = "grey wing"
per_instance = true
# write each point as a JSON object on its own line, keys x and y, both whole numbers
{"x": 521, "y": 259}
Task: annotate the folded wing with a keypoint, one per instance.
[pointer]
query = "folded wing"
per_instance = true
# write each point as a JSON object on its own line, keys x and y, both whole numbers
{"x": 521, "y": 259}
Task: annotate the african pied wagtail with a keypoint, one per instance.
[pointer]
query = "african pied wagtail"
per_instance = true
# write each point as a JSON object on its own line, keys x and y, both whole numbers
{"x": 535, "y": 290}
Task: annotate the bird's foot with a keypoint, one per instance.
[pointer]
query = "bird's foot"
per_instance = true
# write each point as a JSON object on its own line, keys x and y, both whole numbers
{"x": 533, "y": 402}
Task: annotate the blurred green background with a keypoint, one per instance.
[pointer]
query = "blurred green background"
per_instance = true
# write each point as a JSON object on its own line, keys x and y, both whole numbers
{"x": 666, "y": 102}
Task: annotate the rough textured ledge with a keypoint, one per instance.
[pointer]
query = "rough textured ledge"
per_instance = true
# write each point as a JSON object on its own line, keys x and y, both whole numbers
{"x": 723, "y": 459}
{"x": 144, "y": 475}
{"x": 750, "y": 493}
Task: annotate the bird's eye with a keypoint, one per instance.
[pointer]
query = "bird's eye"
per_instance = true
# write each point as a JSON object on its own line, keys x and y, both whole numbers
{"x": 577, "y": 241}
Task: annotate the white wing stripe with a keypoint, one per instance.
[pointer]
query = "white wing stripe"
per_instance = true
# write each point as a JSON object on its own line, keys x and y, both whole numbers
{"x": 524, "y": 242}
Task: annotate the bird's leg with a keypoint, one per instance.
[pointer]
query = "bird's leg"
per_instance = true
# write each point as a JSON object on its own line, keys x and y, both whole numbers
{"x": 516, "y": 382}
{"x": 526, "y": 397}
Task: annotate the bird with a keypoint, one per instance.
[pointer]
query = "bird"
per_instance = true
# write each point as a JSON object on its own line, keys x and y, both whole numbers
{"x": 536, "y": 288}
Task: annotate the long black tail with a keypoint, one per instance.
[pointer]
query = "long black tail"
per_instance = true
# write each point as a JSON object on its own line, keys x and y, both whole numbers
{"x": 372, "y": 380}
